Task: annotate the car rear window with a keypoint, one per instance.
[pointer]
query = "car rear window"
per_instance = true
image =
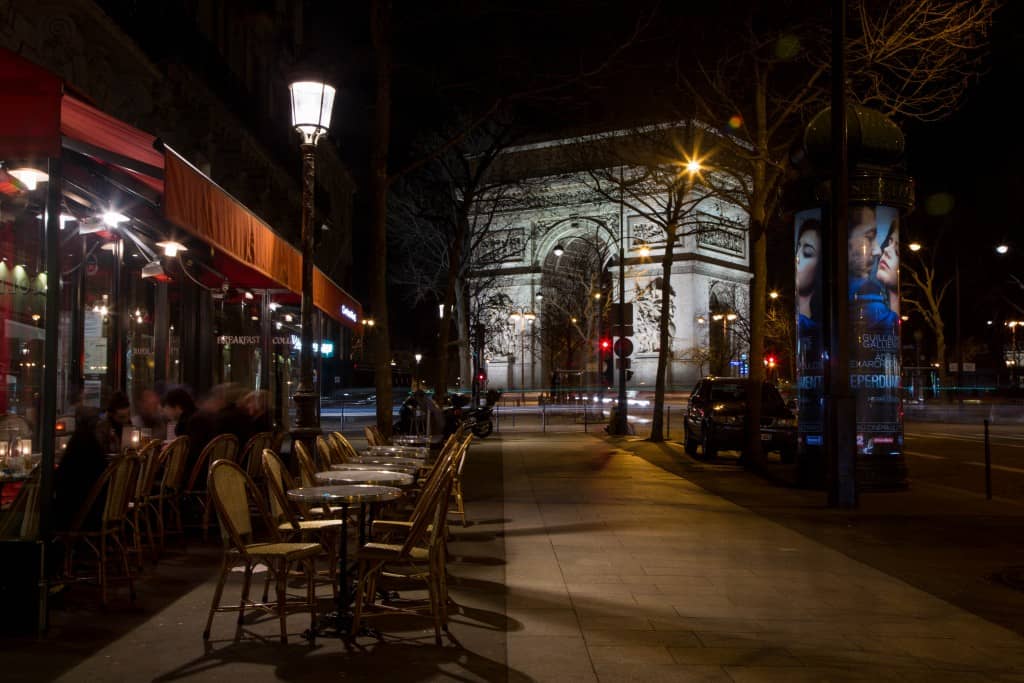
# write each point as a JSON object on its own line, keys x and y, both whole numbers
{"x": 737, "y": 391}
{"x": 728, "y": 391}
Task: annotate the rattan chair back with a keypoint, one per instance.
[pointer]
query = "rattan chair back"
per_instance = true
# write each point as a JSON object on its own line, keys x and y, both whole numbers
{"x": 307, "y": 469}
{"x": 221, "y": 447}
{"x": 252, "y": 453}
{"x": 278, "y": 483}
{"x": 233, "y": 493}
{"x": 348, "y": 452}
{"x": 175, "y": 455}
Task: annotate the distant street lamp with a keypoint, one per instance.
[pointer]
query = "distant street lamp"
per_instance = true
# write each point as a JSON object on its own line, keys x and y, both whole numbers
{"x": 312, "y": 102}
{"x": 1002, "y": 248}
{"x": 418, "y": 357}
{"x": 914, "y": 246}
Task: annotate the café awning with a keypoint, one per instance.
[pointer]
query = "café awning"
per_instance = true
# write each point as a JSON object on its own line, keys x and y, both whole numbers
{"x": 37, "y": 118}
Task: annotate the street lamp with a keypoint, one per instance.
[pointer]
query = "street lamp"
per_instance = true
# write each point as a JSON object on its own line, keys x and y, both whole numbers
{"x": 312, "y": 102}
{"x": 418, "y": 357}
{"x": 1002, "y": 248}
{"x": 914, "y": 246}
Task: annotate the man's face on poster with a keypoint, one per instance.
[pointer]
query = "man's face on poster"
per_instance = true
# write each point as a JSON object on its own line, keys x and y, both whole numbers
{"x": 862, "y": 246}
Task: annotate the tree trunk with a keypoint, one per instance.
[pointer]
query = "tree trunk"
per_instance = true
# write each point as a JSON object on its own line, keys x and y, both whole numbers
{"x": 759, "y": 264}
{"x": 462, "y": 325}
{"x": 454, "y": 263}
{"x": 664, "y": 350}
{"x": 380, "y": 19}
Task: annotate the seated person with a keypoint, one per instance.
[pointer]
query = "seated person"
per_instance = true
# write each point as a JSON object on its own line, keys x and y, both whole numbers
{"x": 84, "y": 461}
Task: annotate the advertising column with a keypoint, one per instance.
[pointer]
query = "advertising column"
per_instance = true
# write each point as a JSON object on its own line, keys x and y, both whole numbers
{"x": 875, "y": 328}
{"x": 874, "y": 290}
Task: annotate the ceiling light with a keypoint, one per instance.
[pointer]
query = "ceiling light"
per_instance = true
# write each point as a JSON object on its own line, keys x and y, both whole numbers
{"x": 88, "y": 226}
{"x": 29, "y": 177}
{"x": 153, "y": 269}
{"x": 273, "y": 305}
{"x": 171, "y": 247}
{"x": 114, "y": 218}
{"x": 36, "y": 317}
{"x": 248, "y": 295}
{"x": 288, "y": 317}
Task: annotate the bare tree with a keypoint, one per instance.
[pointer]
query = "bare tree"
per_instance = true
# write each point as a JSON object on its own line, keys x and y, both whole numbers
{"x": 655, "y": 172}
{"x": 924, "y": 293}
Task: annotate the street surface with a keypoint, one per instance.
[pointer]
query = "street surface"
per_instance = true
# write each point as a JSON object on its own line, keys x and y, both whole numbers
{"x": 953, "y": 455}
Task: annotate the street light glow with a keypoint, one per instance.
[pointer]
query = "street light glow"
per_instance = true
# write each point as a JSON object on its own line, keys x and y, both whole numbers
{"x": 914, "y": 246}
{"x": 693, "y": 166}
{"x": 730, "y": 317}
{"x": 1002, "y": 249}
{"x": 644, "y": 250}
{"x": 773, "y": 294}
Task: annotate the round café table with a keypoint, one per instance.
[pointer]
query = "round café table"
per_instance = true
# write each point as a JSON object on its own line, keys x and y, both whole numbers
{"x": 393, "y": 466}
{"x": 410, "y": 440}
{"x": 388, "y": 461}
{"x": 377, "y": 477}
{"x": 398, "y": 452}
{"x": 364, "y": 495}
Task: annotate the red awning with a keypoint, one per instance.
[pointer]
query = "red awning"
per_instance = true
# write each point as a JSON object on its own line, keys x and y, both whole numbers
{"x": 36, "y": 118}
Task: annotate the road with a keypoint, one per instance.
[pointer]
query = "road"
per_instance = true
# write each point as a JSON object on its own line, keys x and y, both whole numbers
{"x": 953, "y": 455}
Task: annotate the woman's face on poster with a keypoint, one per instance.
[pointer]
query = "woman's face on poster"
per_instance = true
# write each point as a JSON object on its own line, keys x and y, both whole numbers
{"x": 862, "y": 243}
{"x": 889, "y": 263}
{"x": 808, "y": 250}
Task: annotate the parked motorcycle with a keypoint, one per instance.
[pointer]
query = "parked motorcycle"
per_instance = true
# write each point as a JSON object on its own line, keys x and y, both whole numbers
{"x": 478, "y": 420}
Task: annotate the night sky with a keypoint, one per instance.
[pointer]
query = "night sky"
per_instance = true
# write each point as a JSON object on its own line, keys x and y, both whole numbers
{"x": 459, "y": 56}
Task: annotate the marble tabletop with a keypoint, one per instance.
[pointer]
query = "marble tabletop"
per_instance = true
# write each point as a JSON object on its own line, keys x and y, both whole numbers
{"x": 351, "y": 493}
{"x": 378, "y": 477}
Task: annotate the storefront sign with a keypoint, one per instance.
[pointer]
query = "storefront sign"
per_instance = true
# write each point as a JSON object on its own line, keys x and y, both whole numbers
{"x": 251, "y": 340}
{"x": 349, "y": 313}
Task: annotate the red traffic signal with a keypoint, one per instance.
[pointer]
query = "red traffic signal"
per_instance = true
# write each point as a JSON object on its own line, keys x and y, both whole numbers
{"x": 606, "y": 344}
{"x": 481, "y": 377}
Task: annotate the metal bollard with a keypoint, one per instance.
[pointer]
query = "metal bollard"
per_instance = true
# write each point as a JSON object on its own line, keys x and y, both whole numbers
{"x": 988, "y": 465}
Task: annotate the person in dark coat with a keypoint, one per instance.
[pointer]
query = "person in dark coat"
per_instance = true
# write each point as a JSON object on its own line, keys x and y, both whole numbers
{"x": 84, "y": 461}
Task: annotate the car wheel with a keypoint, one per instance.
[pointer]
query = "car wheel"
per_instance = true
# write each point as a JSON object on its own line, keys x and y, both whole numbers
{"x": 689, "y": 443}
{"x": 708, "y": 444}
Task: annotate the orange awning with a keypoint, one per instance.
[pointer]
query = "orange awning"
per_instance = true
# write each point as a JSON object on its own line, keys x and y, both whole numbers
{"x": 203, "y": 209}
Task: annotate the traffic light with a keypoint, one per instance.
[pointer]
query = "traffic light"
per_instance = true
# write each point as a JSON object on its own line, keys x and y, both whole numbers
{"x": 609, "y": 371}
{"x": 481, "y": 377}
{"x": 629, "y": 375}
{"x": 606, "y": 345}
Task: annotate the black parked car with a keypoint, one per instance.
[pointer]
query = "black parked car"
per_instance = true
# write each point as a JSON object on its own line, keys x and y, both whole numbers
{"x": 716, "y": 418}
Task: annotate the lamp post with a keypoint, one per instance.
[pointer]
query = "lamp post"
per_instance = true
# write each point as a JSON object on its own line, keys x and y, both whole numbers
{"x": 312, "y": 102}
{"x": 418, "y": 357}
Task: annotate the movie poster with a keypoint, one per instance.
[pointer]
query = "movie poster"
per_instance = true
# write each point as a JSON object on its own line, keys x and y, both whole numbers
{"x": 874, "y": 266}
{"x": 810, "y": 325}
{"x": 874, "y": 309}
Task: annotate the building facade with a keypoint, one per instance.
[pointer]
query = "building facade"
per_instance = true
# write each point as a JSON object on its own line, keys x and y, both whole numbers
{"x": 547, "y": 273}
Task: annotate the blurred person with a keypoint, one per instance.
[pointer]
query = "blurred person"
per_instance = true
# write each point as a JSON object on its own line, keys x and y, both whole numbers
{"x": 112, "y": 423}
{"x": 256, "y": 405}
{"x": 231, "y": 416}
{"x": 148, "y": 413}
{"x": 178, "y": 408}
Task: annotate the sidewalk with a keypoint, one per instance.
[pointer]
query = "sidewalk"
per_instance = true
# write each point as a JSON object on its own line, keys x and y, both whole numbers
{"x": 583, "y": 562}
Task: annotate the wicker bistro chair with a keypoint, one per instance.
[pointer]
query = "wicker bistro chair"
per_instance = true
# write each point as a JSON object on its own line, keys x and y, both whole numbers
{"x": 140, "y": 510}
{"x": 460, "y": 508}
{"x": 295, "y": 520}
{"x": 328, "y": 453}
{"x": 307, "y": 478}
{"x": 348, "y": 452}
{"x": 252, "y": 454}
{"x": 307, "y": 466}
{"x": 21, "y": 519}
{"x": 167, "y": 499}
{"x": 221, "y": 447}
{"x": 232, "y": 493}
{"x": 421, "y": 555}
{"x": 374, "y": 437}
{"x": 113, "y": 492}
